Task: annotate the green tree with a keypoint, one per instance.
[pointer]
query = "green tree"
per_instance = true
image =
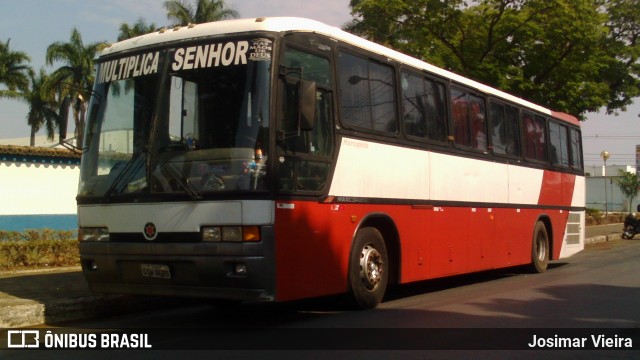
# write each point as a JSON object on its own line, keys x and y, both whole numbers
{"x": 624, "y": 41}
{"x": 139, "y": 28}
{"x": 570, "y": 55}
{"x": 14, "y": 71}
{"x": 629, "y": 184}
{"x": 184, "y": 13}
{"x": 42, "y": 107}
{"x": 74, "y": 79}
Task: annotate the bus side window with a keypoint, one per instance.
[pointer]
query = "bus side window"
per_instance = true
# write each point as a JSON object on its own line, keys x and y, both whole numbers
{"x": 306, "y": 166}
{"x": 367, "y": 91}
{"x": 534, "y": 137}
{"x": 469, "y": 120}
{"x": 498, "y": 133}
{"x": 559, "y": 150}
{"x": 423, "y": 107}
{"x": 306, "y": 66}
{"x": 512, "y": 131}
{"x": 437, "y": 122}
{"x": 413, "y": 93}
{"x": 575, "y": 146}
{"x": 477, "y": 117}
{"x": 505, "y": 136}
{"x": 459, "y": 112}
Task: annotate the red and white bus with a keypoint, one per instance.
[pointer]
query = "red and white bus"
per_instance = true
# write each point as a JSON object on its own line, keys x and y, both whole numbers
{"x": 275, "y": 159}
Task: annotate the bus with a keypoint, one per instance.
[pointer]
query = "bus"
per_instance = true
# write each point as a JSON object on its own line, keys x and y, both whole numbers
{"x": 276, "y": 159}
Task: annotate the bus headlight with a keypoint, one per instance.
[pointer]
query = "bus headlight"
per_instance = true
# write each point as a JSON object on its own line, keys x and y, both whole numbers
{"x": 93, "y": 234}
{"x": 211, "y": 234}
{"x": 230, "y": 233}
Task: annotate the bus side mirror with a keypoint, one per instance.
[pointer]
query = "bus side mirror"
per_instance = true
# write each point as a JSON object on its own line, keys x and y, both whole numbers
{"x": 307, "y": 104}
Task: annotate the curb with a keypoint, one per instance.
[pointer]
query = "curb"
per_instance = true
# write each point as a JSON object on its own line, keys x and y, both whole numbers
{"x": 32, "y": 313}
{"x": 601, "y": 239}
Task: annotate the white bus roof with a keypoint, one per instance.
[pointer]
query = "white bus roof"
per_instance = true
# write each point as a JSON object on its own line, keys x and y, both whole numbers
{"x": 293, "y": 24}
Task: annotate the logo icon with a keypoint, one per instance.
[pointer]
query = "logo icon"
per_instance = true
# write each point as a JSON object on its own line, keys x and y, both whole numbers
{"x": 150, "y": 232}
{"x": 23, "y": 338}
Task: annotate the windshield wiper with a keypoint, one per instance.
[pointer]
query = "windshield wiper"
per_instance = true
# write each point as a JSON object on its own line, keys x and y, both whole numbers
{"x": 135, "y": 164}
{"x": 185, "y": 184}
{"x": 125, "y": 171}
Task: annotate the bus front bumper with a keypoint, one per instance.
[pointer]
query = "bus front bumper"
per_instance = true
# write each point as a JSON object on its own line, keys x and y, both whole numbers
{"x": 234, "y": 271}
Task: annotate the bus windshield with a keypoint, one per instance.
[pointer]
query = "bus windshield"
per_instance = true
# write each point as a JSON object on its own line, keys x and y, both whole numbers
{"x": 182, "y": 121}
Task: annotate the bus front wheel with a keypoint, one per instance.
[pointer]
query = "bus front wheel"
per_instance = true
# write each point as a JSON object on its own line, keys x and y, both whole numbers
{"x": 540, "y": 248}
{"x": 368, "y": 268}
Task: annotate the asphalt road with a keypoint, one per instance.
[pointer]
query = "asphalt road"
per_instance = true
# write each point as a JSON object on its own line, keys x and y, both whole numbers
{"x": 596, "y": 289}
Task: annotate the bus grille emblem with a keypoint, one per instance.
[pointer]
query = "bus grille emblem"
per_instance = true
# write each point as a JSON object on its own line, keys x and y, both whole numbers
{"x": 150, "y": 232}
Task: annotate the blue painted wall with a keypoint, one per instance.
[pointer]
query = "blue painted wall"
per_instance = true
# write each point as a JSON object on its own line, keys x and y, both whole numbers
{"x": 25, "y": 222}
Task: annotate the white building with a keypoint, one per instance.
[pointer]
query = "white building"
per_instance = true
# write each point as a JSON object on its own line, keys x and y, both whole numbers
{"x": 38, "y": 188}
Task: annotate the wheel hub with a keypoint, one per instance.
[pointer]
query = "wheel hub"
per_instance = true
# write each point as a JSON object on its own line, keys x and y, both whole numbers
{"x": 371, "y": 266}
{"x": 542, "y": 250}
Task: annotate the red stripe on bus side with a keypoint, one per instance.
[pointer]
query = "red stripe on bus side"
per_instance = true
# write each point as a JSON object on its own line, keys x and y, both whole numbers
{"x": 557, "y": 189}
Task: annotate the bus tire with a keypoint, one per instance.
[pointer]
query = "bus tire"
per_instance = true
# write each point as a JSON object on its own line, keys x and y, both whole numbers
{"x": 368, "y": 268}
{"x": 540, "y": 248}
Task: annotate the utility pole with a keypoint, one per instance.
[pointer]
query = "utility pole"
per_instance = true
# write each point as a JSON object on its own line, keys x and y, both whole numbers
{"x": 605, "y": 155}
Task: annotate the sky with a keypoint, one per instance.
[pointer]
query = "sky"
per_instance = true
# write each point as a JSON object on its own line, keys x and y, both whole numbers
{"x": 32, "y": 25}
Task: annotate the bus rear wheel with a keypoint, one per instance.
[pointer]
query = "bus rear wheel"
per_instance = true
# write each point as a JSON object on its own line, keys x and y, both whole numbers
{"x": 368, "y": 268}
{"x": 540, "y": 249}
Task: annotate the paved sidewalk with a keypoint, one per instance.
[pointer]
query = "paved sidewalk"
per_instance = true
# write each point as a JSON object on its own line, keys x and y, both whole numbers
{"x": 34, "y": 297}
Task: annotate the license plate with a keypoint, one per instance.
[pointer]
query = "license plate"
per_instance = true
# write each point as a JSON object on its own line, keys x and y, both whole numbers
{"x": 155, "y": 271}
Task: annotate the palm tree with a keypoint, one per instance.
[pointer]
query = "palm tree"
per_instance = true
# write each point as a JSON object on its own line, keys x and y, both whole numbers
{"x": 73, "y": 80}
{"x": 629, "y": 184}
{"x": 139, "y": 28}
{"x": 14, "y": 72}
{"x": 184, "y": 13}
{"x": 42, "y": 107}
